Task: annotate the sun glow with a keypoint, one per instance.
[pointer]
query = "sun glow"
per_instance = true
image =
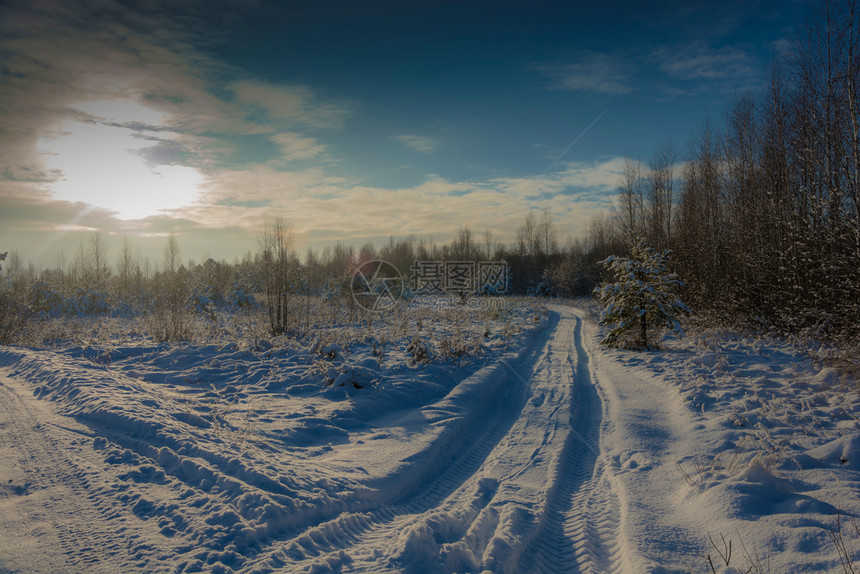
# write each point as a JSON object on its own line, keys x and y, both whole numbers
{"x": 110, "y": 163}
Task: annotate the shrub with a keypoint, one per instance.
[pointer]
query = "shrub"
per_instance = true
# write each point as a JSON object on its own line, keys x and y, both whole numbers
{"x": 42, "y": 297}
{"x": 13, "y": 316}
{"x": 641, "y": 297}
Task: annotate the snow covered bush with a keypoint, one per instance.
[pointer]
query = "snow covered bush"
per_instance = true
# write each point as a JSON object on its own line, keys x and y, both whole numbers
{"x": 241, "y": 296}
{"x": 460, "y": 346}
{"x": 91, "y": 302}
{"x": 333, "y": 289}
{"x": 13, "y": 315}
{"x": 42, "y": 297}
{"x": 642, "y": 296}
{"x": 201, "y": 304}
{"x": 418, "y": 351}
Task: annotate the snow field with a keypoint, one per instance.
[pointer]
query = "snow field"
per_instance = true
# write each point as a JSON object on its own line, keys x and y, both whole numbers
{"x": 225, "y": 448}
{"x": 351, "y": 453}
{"x": 738, "y": 437}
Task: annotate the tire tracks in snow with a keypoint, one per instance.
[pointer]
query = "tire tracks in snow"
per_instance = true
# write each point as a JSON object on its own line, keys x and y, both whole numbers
{"x": 580, "y": 529}
{"x": 461, "y": 521}
{"x": 365, "y": 532}
{"x": 514, "y": 482}
{"x": 205, "y": 505}
{"x": 74, "y": 521}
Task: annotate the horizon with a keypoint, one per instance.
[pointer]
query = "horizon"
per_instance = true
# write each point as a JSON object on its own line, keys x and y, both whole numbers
{"x": 355, "y": 124}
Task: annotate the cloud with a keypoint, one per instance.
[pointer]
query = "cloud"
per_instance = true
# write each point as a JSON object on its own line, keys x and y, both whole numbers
{"x": 263, "y": 185}
{"x": 295, "y": 146}
{"x": 318, "y": 205}
{"x": 591, "y": 72}
{"x": 700, "y": 62}
{"x": 598, "y": 179}
{"x": 164, "y": 152}
{"x": 295, "y": 105}
{"x": 239, "y": 201}
{"x": 129, "y": 67}
{"x": 130, "y": 71}
{"x": 599, "y": 176}
{"x": 110, "y": 68}
{"x": 668, "y": 70}
{"x": 87, "y": 62}
{"x": 418, "y": 143}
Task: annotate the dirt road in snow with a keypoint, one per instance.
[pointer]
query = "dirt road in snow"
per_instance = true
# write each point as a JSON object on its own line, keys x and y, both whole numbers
{"x": 524, "y": 466}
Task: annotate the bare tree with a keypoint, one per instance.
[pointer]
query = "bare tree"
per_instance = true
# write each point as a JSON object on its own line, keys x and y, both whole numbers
{"x": 97, "y": 262}
{"x": 547, "y": 234}
{"x": 489, "y": 243}
{"x": 702, "y": 238}
{"x": 660, "y": 195}
{"x": 172, "y": 290}
{"x": 464, "y": 248}
{"x": 128, "y": 269}
{"x": 629, "y": 205}
{"x": 15, "y": 266}
{"x": 528, "y": 237}
{"x": 276, "y": 262}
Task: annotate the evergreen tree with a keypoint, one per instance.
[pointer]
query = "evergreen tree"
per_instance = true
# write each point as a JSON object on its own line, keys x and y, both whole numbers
{"x": 642, "y": 296}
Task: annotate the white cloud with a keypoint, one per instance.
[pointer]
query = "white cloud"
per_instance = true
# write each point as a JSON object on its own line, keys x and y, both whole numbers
{"x": 600, "y": 176}
{"x": 418, "y": 143}
{"x": 591, "y": 72}
{"x": 296, "y": 105}
{"x": 102, "y": 166}
{"x": 322, "y": 206}
{"x": 702, "y": 62}
{"x": 671, "y": 70}
{"x": 573, "y": 179}
{"x": 295, "y": 146}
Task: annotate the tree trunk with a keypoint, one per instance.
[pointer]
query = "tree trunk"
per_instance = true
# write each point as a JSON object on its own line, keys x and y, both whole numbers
{"x": 644, "y": 332}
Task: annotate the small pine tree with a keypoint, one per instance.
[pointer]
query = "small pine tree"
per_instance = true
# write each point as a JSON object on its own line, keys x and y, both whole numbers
{"x": 642, "y": 296}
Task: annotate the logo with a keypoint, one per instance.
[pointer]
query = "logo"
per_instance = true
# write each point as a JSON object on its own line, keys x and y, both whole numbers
{"x": 377, "y": 285}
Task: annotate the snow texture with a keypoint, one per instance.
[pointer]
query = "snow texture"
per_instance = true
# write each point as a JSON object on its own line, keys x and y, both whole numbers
{"x": 555, "y": 455}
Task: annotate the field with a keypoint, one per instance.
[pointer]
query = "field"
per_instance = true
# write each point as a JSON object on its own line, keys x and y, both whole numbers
{"x": 425, "y": 440}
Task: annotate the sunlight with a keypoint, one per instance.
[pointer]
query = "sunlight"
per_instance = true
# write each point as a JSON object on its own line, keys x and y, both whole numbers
{"x": 105, "y": 165}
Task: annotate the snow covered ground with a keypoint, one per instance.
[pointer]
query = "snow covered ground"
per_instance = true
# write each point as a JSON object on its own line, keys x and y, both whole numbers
{"x": 546, "y": 453}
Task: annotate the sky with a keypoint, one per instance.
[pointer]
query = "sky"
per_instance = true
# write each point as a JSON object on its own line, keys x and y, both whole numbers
{"x": 353, "y": 121}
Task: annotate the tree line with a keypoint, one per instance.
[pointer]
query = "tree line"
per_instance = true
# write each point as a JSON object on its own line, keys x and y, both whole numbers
{"x": 762, "y": 213}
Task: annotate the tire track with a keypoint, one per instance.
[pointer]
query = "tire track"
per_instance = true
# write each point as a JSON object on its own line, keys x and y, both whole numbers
{"x": 349, "y": 521}
{"x": 578, "y": 527}
{"x": 578, "y": 532}
{"x": 516, "y": 484}
{"x": 376, "y": 526}
{"x": 365, "y": 531}
{"x": 68, "y": 498}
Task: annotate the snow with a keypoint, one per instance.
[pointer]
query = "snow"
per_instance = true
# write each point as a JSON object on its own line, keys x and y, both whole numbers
{"x": 547, "y": 452}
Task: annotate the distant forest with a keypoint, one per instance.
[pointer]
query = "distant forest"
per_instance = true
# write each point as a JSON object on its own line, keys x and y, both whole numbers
{"x": 761, "y": 212}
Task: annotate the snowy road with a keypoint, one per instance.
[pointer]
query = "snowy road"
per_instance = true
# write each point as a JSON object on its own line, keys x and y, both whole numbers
{"x": 56, "y": 512}
{"x": 557, "y": 456}
{"x": 520, "y": 489}
{"x": 502, "y": 474}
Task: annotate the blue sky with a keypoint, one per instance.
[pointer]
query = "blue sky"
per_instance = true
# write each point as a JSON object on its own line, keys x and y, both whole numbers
{"x": 352, "y": 120}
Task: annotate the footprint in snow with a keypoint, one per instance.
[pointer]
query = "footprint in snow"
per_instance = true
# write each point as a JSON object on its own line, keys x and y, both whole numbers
{"x": 630, "y": 461}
